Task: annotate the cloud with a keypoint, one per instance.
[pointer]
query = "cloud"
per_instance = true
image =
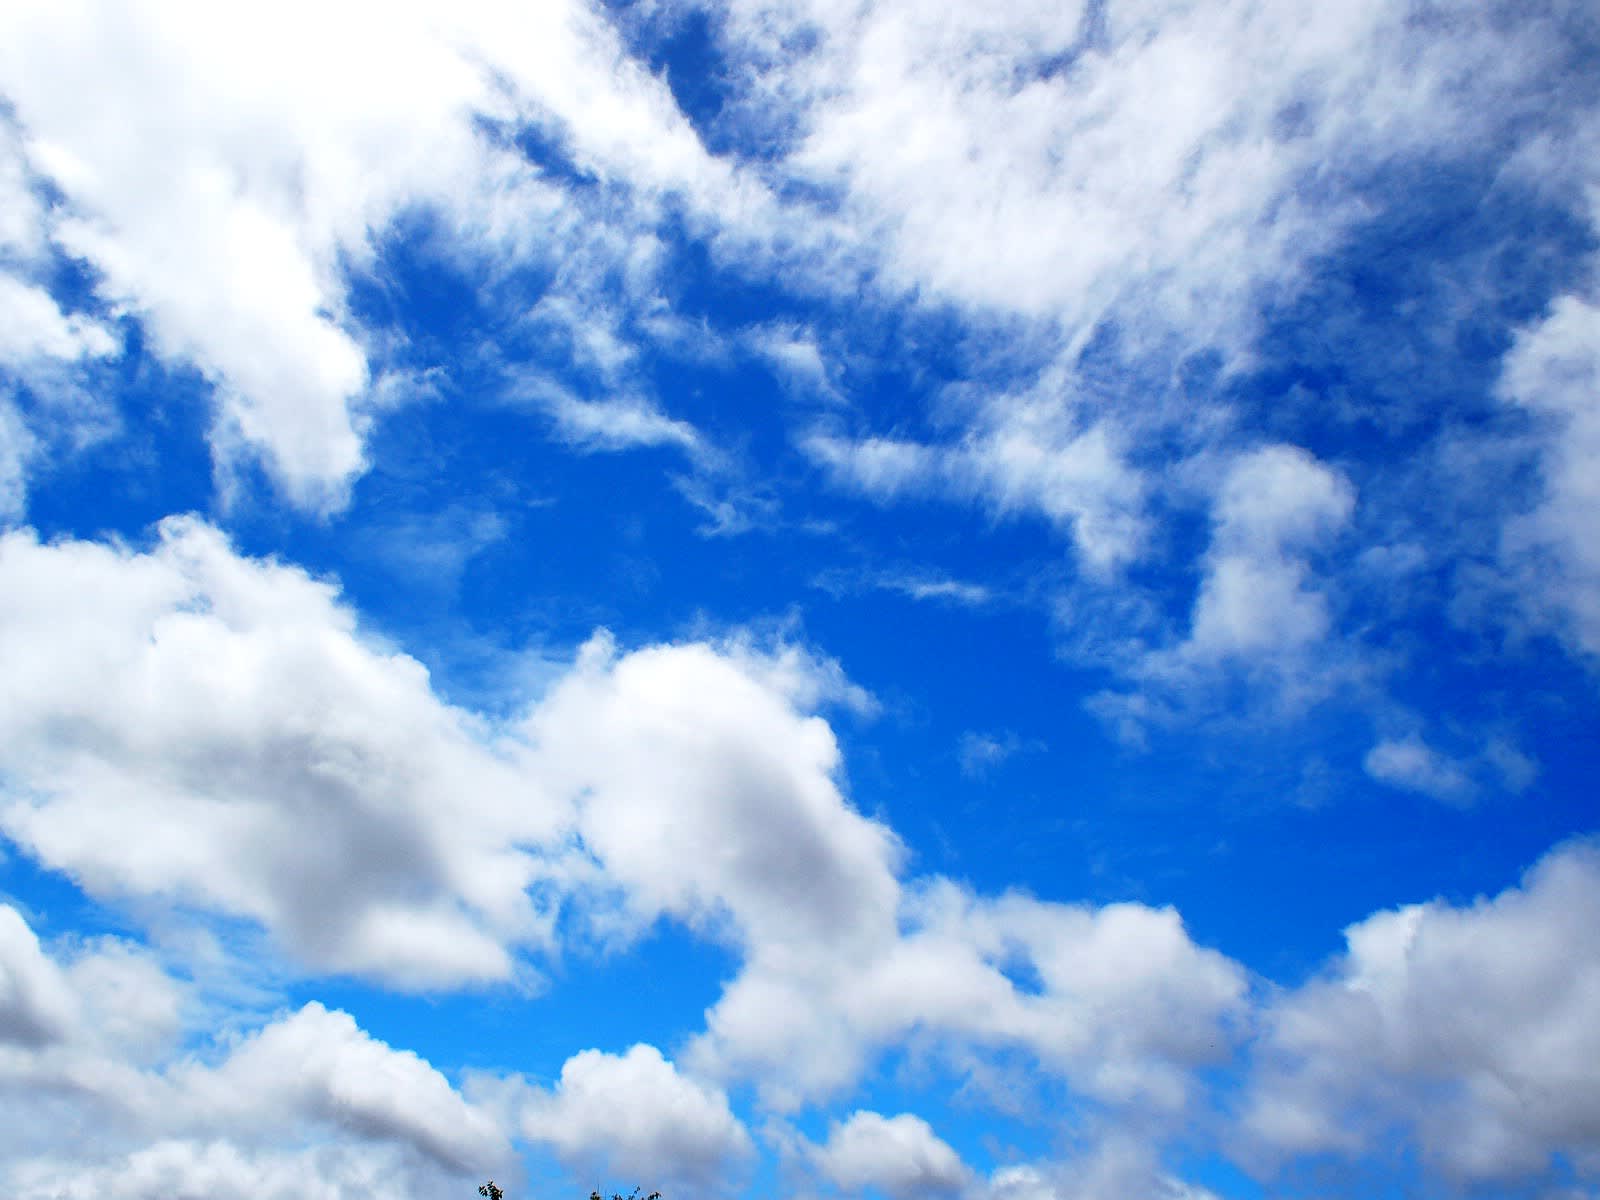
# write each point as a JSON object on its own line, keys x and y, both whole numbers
{"x": 1275, "y": 504}
{"x": 32, "y": 327}
{"x": 1411, "y": 764}
{"x": 187, "y": 1167}
{"x": 619, "y": 424}
{"x": 913, "y": 583}
{"x": 634, "y": 1115}
{"x": 1261, "y": 612}
{"x": 232, "y": 231}
{"x": 1076, "y": 164}
{"x": 1118, "y": 1167}
{"x": 1122, "y": 1004}
{"x": 1470, "y": 1027}
{"x": 307, "y": 1097}
{"x": 173, "y": 719}
{"x": 174, "y": 714}
{"x": 899, "y": 1155}
{"x": 36, "y": 1006}
{"x": 1028, "y": 460}
{"x": 979, "y": 753}
{"x": 321, "y": 1065}
{"x": 17, "y": 447}
{"x": 1553, "y": 372}
{"x": 779, "y": 859}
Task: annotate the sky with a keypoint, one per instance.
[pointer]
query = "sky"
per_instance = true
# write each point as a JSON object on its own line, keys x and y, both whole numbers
{"x": 800, "y": 599}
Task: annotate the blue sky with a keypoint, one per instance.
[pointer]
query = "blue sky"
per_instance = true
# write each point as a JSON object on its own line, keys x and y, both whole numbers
{"x": 800, "y": 599}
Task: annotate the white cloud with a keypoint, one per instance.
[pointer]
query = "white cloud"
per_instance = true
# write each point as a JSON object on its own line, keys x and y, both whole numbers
{"x": 1261, "y": 612}
{"x": 36, "y": 1006}
{"x": 1028, "y": 459}
{"x": 1553, "y": 370}
{"x": 1067, "y": 162}
{"x": 1118, "y": 1167}
{"x": 797, "y": 358}
{"x": 899, "y": 1155}
{"x": 881, "y": 467}
{"x": 1472, "y": 1026}
{"x": 22, "y": 215}
{"x": 304, "y": 1102}
{"x": 1256, "y": 600}
{"x": 319, "y": 1064}
{"x": 1411, "y": 764}
{"x": 33, "y": 327}
{"x": 706, "y": 796}
{"x": 229, "y": 197}
{"x": 912, "y": 582}
{"x": 1123, "y": 1005}
{"x": 979, "y": 753}
{"x": 635, "y": 1115}
{"x": 618, "y": 424}
{"x": 175, "y": 720}
{"x": 17, "y": 447}
{"x": 182, "y": 1168}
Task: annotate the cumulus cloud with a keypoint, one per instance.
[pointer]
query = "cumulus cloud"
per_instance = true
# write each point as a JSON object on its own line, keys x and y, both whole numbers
{"x": 636, "y": 1115}
{"x": 320, "y": 1064}
{"x": 305, "y": 1098}
{"x": 753, "y": 802}
{"x": 176, "y": 719}
{"x": 1122, "y": 1004}
{"x": 187, "y": 1167}
{"x": 899, "y": 1155}
{"x": 179, "y": 717}
{"x": 1471, "y": 1027}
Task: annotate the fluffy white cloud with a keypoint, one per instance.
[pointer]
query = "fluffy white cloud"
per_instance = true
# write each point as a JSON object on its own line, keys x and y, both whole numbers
{"x": 1116, "y": 1000}
{"x": 256, "y": 158}
{"x": 306, "y": 1101}
{"x": 1256, "y": 600}
{"x": 176, "y": 721}
{"x": 32, "y": 327}
{"x": 634, "y": 1114}
{"x": 1553, "y": 371}
{"x": 899, "y": 1155}
{"x": 320, "y": 1065}
{"x": 1262, "y": 609}
{"x": 1070, "y": 161}
{"x": 1473, "y": 1026}
{"x": 183, "y": 1168}
{"x": 707, "y": 796}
